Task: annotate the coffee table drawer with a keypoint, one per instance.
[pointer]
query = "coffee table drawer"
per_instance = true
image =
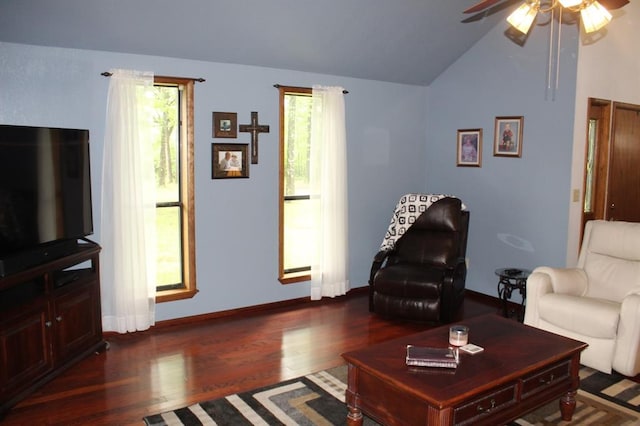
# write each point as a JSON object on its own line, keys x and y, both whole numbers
{"x": 474, "y": 410}
{"x": 540, "y": 381}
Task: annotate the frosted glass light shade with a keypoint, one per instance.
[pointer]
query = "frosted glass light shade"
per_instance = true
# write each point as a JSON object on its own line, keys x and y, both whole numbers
{"x": 594, "y": 17}
{"x": 522, "y": 18}
{"x": 570, "y": 3}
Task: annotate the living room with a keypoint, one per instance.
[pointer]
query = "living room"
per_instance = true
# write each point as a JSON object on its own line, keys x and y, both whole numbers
{"x": 401, "y": 138}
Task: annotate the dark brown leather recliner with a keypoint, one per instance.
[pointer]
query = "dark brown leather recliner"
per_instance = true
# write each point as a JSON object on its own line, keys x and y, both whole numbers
{"x": 423, "y": 277}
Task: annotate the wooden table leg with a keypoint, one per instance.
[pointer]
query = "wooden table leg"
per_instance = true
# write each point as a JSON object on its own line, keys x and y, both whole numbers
{"x": 354, "y": 417}
{"x": 568, "y": 405}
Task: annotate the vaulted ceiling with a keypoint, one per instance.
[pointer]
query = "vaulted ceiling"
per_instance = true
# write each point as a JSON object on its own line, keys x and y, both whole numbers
{"x": 403, "y": 41}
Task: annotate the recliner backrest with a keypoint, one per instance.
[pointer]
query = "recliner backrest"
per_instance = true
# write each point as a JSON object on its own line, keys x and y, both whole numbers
{"x": 435, "y": 237}
{"x": 610, "y": 256}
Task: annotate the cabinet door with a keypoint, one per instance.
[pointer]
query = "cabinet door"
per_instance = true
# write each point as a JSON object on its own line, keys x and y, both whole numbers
{"x": 75, "y": 317}
{"x": 25, "y": 353}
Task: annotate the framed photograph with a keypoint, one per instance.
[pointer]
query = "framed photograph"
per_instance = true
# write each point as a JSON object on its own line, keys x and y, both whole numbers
{"x": 225, "y": 125}
{"x": 469, "y": 148}
{"x": 508, "y": 137}
{"x": 229, "y": 161}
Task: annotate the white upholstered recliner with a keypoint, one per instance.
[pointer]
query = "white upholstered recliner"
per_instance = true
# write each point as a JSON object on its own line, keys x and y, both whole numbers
{"x": 598, "y": 301}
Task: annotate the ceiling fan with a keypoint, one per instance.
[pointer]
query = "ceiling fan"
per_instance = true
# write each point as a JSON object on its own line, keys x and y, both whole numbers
{"x": 594, "y": 14}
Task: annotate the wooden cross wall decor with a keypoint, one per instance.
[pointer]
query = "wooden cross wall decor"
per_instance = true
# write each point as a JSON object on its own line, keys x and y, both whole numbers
{"x": 254, "y": 128}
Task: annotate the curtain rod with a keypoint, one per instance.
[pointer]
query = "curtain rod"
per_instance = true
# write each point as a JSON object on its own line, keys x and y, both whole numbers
{"x": 277, "y": 86}
{"x": 199, "y": 80}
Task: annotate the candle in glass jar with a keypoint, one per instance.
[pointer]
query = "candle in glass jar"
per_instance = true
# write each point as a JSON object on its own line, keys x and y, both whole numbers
{"x": 458, "y": 335}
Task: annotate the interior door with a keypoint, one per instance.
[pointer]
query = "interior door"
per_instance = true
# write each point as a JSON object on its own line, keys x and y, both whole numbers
{"x": 623, "y": 200}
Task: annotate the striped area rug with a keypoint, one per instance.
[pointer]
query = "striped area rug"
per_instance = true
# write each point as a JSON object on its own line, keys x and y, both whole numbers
{"x": 603, "y": 399}
{"x": 318, "y": 399}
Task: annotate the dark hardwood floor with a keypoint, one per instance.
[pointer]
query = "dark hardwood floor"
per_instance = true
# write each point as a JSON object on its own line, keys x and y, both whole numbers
{"x": 173, "y": 366}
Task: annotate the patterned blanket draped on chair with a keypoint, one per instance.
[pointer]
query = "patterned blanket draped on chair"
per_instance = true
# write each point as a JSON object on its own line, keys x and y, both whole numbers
{"x": 409, "y": 207}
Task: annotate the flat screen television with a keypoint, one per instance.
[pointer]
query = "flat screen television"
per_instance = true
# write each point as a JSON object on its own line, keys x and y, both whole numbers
{"x": 45, "y": 194}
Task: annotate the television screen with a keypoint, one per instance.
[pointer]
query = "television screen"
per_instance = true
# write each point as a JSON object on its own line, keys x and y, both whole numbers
{"x": 45, "y": 186}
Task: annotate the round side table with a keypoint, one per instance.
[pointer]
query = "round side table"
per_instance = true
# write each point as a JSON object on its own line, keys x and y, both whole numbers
{"x": 512, "y": 279}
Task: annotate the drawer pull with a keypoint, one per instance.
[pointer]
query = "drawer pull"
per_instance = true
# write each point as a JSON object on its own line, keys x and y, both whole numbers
{"x": 547, "y": 382}
{"x": 59, "y": 318}
{"x": 486, "y": 410}
{"x": 48, "y": 323}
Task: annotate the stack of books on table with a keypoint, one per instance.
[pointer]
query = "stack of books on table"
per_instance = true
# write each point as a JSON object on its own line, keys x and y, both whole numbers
{"x": 423, "y": 356}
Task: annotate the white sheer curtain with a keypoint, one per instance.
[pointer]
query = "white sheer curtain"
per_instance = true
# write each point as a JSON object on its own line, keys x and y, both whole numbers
{"x": 329, "y": 270}
{"x": 128, "y": 207}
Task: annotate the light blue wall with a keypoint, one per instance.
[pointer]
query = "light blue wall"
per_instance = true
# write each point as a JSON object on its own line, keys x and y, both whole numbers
{"x": 519, "y": 206}
{"x": 236, "y": 220}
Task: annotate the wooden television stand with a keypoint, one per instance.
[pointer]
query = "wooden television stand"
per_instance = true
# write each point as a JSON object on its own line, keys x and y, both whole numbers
{"x": 49, "y": 319}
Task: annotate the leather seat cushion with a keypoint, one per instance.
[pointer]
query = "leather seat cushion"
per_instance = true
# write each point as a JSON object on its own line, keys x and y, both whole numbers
{"x": 412, "y": 281}
{"x": 583, "y": 315}
{"x": 401, "y": 307}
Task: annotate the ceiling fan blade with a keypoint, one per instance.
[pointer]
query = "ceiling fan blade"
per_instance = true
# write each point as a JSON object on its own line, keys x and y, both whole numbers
{"x": 613, "y": 4}
{"x": 490, "y": 10}
{"x": 482, "y": 6}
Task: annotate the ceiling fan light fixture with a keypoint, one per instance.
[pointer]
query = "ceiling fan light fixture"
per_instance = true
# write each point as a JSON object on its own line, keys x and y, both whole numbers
{"x": 594, "y": 17}
{"x": 522, "y": 18}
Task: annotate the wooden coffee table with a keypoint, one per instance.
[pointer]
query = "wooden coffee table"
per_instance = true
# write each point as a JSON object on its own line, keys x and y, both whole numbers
{"x": 520, "y": 369}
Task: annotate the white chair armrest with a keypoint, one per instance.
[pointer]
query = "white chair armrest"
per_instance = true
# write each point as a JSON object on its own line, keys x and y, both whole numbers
{"x": 571, "y": 281}
{"x": 545, "y": 280}
{"x": 633, "y": 291}
{"x": 538, "y": 284}
{"x": 626, "y": 359}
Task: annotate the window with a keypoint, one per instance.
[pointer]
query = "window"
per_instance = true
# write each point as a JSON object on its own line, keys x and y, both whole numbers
{"x": 295, "y": 226}
{"x": 590, "y": 164}
{"x": 173, "y": 163}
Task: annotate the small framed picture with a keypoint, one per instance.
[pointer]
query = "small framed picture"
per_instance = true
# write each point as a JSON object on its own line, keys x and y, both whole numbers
{"x": 469, "y": 148}
{"x": 225, "y": 125}
{"x": 508, "y": 137}
{"x": 229, "y": 161}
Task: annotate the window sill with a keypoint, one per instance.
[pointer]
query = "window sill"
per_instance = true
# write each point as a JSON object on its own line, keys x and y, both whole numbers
{"x": 295, "y": 278}
{"x": 170, "y": 295}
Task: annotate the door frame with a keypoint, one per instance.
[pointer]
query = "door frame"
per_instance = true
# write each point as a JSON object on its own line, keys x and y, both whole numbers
{"x": 599, "y": 110}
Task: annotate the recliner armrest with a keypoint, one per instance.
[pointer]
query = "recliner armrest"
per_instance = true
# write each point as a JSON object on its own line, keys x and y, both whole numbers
{"x": 378, "y": 260}
{"x": 453, "y": 286}
{"x": 455, "y": 271}
{"x": 626, "y": 359}
{"x": 538, "y": 284}
{"x": 381, "y": 256}
{"x": 544, "y": 280}
{"x": 571, "y": 281}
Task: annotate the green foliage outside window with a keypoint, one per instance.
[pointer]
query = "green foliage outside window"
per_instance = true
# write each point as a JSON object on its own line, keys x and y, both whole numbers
{"x": 165, "y": 144}
{"x": 298, "y": 137}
